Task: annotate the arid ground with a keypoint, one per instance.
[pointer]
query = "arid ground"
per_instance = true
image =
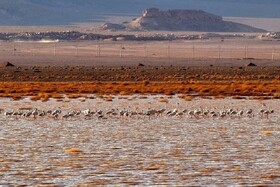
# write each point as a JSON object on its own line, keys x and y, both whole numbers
{"x": 51, "y": 81}
{"x": 198, "y": 68}
{"x": 167, "y": 150}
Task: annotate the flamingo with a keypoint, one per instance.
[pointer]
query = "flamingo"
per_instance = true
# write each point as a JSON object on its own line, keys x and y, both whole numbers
{"x": 191, "y": 113}
{"x": 34, "y": 113}
{"x": 240, "y": 113}
{"x": 250, "y": 113}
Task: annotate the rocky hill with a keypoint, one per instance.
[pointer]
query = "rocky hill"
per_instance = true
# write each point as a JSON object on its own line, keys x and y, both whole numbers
{"x": 44, "y": 12}
{"x": 186, "y": 20}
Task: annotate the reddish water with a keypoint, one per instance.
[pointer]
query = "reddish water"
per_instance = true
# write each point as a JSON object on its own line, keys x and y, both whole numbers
{"x": 159, "y": 151}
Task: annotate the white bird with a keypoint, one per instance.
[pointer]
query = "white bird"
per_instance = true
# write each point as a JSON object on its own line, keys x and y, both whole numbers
{"x": 197, "y": 113}
{"x": 233, "y": 113}
{"x": 174, "y": 112}
{"x": 240, "y": 113}
{"x": 8, "y": 113}
{"x": 223, "y": 114}
{"x": 55, "y": 116}
{"x": 86, "y": 112}
{"x": 34, "y": 113}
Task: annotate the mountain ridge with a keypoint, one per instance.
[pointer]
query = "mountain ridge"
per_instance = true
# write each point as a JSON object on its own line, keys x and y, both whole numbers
{"x": 185, "y": 20}
{"x": 53, "y": 12}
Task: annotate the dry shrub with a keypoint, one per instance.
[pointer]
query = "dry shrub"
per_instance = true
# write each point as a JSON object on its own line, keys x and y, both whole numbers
{"x": 262, "y": 98}
{"x": 152, "y": 167}
{"x": 16, "y": 97}
{"x": 219, "y": 96}
{"x": 46, "y": 96}
{"x": 135, "y": 91}
{"x": 267, "y": 132}
{"x": 25, "y": 108}
{"x": 205, "y": 90}
{"x": 181, "y": 96}
{"x": 66, "y": 100}
{"x": 73, "y": 150}
{"x": 100, "y": 96}
{"x": 122, "y": 97}
{"x": 123, "y": 93}
{"x": 74, "y": 96}
{"x": 90, "y": 97}
{"x": 7, "y": 95}
{"x": 276, "y": 96}
{"x": 206, "y": 97}
{"x": 45, "y": 99}
{"x": 39, "y": 96}
{"x": 56, "y": 96}
{"x": 143, "y": 97}
{"x": 189, "y": 98}
{"x": 207, "y": 170}
{"x": 146, "y": 82}
{"x": 271, "y": 176}
{"x": 34, "y": 98}
{"x": 125, "y": 84}
{"x": 169, "y": 92}
{"x": 130, "y": 183}
{"x": 82, "y": 99}
{"x": 74, "y": 89}
{"x": 163, "y": 100}
{"x": 238, "y": 97}
{"x": 109, "y": 99}
{"x": 98, "y": 182}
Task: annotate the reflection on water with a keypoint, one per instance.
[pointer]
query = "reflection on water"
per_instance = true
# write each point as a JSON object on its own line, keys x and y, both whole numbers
{"x": 166, "y": 151}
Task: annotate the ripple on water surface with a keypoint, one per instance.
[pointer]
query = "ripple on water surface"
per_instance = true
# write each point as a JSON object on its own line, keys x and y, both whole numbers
{"x": 166, "y": 151}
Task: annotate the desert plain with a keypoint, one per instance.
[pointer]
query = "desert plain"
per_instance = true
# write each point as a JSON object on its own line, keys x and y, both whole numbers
{"x": 209, "y": 67}
{"x": 171, "y": 148}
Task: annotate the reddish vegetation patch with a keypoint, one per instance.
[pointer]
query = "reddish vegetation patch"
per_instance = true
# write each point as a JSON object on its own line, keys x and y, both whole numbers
{"x": 45, "y": 90}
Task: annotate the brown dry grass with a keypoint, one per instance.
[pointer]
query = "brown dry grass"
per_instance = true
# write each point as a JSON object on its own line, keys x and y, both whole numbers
{"x": 45, "y": 90}
{"x": 73, "y": 150}
{"x": 109, "y": 99}
{"x": 163, "y": 100}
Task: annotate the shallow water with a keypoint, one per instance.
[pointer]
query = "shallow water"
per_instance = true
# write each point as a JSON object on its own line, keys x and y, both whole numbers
{"x": 157, "y": 151}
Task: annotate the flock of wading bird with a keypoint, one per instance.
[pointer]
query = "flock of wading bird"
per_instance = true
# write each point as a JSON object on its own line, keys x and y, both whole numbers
{"x": 198, "y": 113}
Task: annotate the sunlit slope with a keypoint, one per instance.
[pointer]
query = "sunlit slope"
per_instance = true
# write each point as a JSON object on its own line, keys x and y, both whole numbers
{"x": 32, "y": 12}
